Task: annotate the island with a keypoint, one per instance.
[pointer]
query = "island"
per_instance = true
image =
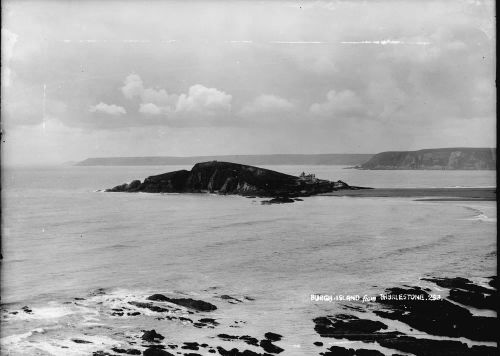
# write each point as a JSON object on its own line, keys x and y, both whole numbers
{"x": 458, "y": 158}
{"x": 234, "y": 178}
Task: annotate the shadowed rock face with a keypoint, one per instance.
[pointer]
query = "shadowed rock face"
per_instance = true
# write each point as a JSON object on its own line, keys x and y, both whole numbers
{"x": 231, "y": 178}
{"x": 441, "y": 158}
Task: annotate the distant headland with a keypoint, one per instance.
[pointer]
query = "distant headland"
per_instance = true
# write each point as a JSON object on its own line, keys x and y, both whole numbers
{"x": 348, "y": 159}
{"x": 459, "y": 158}
{"x": 235, "y": 178}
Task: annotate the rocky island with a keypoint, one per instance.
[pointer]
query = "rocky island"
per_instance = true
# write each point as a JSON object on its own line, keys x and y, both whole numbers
{"x": 458, "y": 158}
{"x": 233, "y": 178}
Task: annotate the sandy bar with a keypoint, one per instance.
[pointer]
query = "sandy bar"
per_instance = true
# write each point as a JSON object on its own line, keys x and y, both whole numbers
{"x": 431, "y": 194}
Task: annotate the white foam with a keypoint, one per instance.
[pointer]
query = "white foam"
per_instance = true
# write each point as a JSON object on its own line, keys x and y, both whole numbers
{"x": 18, "y": 345}
{"x": 16, "y": 338}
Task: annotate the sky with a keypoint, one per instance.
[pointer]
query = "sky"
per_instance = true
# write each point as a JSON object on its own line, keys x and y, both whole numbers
{"x": 150, "y": 78}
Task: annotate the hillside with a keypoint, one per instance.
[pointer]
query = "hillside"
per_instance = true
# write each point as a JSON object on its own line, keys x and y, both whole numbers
{"x": 459, "y": 158}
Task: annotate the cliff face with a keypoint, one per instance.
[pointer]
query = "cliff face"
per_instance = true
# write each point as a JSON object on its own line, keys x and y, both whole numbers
{"x": 230, "y": 178}
{"x": 442, "y": 158}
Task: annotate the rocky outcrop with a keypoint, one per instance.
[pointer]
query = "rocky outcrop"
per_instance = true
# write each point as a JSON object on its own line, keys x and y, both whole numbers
{"x": 231, "y": 178}
{"x": 441, "y": 158}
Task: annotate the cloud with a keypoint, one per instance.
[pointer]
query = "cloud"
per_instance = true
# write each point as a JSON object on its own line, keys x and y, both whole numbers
{"x": 201, "y": 99}
{"x": 109, "y": 109}
{"x": 155, "y": 101}
{"x": 133, "y": 86}
{"x": 267, "y": 103}
{"x": 343, "y": 103}
{"x": 150, "y": 108}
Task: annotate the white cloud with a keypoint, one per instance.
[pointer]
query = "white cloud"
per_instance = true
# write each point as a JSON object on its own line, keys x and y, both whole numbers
{"x": 150, "y": 108}
{"x": 155, "y": 101}
{"x": 267, "y": 103}
{"x": 109, "y": 109}
{"x": 343, "y": 103}
{"x": 158, "y": 97}
{"x": 203, "y": 100}
{"x": 133, "y": 86}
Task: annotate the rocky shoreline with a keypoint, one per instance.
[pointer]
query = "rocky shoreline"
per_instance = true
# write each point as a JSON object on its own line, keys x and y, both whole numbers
{"x": 233, "y": 178}
{"x": 403, "y": 319}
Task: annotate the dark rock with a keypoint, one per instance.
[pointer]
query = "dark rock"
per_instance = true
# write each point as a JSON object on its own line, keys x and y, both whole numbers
{"x": 250, "y": 340}
{"x": 427, "y": 347}
{"x": 198, "y": 305}
{"x": 133, "y": 313}
{"x": 152, "y": 336}
{"x": 228, "y": 297}
{"x": 273, "y": 336}
{"x": 318, "y": 343}
{"x": 149, "y": 306}
{"x": 338, "y": 351}
{"x": 474, "y": 299}
{"x": 458, "y": 282}
{"x": 79, "y": 341}
{"x": 246, "y": 338}
{"x": 437, "y": 317}
{"x": 208, "y": 321}
{"x": 236, "y": 352}
{"x": 190, "y": 346}
{"x": 278, "y": 200}
{"x": 27, "y": 310}
{"x": 158, "y": 297}
{"x": 349, "y": 327}
{"x": 366, "y": 352}
{"x": 268, "y": 346}
{"x": 493, "y": 282}
{"x": 152, "y": 351}
{"x": 126, "y": 351}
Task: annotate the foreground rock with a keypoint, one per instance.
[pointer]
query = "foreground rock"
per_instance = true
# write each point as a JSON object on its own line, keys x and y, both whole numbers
{"x": 437, "y": 317}
{"x": 233, "y": 178}
{"x": 152, "y": 336}
{"x": 465, "y": 292}
{"x": 416, "y": 308}
{"x": 198, "y": 305}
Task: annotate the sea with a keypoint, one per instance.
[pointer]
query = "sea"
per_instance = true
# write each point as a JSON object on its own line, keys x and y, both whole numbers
{"x": 72, "y": 254}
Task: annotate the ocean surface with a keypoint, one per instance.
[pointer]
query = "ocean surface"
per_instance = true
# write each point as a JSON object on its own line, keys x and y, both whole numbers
{"x": 62, "y": 239}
